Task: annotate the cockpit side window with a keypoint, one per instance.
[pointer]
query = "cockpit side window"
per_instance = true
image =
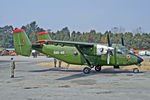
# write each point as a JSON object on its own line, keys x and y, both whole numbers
{"x": 120, "y": 51}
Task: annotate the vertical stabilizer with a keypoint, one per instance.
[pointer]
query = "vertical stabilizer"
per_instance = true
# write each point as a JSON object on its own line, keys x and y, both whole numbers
{"x": 22, "y": 43}
{"x": 43, "y": 36}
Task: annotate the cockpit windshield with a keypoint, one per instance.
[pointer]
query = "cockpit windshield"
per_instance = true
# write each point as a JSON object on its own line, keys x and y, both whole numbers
{"x": 122, "y": 50}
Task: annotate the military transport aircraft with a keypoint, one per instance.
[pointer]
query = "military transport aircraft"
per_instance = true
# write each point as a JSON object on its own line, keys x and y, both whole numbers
{"x": 91, "y": 54}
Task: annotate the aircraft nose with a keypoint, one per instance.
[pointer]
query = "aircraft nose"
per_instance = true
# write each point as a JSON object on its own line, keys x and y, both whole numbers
{"x": 140, "y": 60}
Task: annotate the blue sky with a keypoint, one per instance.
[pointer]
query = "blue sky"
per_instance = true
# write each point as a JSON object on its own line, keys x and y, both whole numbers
{"x": 78, "y": 15}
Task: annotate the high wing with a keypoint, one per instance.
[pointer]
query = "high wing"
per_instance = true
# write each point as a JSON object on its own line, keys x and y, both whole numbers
{"x": 100, "y": 49}
{"x": 77, "y": 44}
{"x": 66, "y": 43}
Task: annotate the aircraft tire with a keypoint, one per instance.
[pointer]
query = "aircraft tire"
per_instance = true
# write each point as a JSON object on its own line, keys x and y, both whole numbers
{"x": 86, "y": 70}
{"x": 136, "y": 70}
{"x": 98, "y": 68}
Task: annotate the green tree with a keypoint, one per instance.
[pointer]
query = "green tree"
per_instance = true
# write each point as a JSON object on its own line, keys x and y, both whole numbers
{"x": 32, "y": 29}
{"x": 6, "y": 36}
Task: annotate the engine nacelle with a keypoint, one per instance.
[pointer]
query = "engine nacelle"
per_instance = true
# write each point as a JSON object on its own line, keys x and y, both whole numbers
{"x": 102, "y": 49}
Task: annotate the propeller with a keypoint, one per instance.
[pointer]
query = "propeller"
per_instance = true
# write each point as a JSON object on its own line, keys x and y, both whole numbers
{"x": 108, "y": 52}
{"x": 108, "y": 40}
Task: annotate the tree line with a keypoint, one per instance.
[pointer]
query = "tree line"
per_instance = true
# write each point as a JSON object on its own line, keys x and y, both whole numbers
{"x": 135, "y": 41}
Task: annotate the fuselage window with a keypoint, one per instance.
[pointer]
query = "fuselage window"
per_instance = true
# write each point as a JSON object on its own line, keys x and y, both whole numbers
{"x": 75, "y": 53}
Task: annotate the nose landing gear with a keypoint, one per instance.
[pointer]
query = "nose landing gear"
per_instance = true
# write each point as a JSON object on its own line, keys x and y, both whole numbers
{"x": 136, "y": 70}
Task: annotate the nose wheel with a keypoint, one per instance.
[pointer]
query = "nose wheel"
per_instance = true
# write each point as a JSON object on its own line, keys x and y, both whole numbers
{"x": 86, "y": 70}
{"x": 136, "y": 70}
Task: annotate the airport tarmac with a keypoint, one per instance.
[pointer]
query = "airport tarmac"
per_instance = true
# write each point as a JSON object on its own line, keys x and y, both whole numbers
{"x": 34, "y": 82}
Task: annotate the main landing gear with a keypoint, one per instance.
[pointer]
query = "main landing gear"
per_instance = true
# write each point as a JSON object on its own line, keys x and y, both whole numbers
{"x": 98, "y": 68}
{"x": 87, "y": 70}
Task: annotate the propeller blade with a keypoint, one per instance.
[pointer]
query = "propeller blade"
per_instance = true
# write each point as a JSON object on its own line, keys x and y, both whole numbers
{"x": 108, "y": 40}
{"x": 108, "y": 58}
{"x": 122, "y": 41}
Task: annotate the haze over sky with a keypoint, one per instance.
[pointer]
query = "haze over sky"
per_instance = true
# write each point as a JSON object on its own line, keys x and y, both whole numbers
{"x": 78, "y": 15}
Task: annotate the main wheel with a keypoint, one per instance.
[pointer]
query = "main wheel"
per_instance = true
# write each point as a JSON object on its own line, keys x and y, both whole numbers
{"x": 136, "y": 70}
{"x": 86, "y": 70}
{"x": 98, "y": 68}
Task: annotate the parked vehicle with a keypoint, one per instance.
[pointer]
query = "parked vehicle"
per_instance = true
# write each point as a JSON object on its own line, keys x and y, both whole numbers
{"x": 144, "y": 53}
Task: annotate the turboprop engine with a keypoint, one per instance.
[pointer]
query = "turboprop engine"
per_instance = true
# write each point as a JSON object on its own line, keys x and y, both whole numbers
{"x": 101, "y": 49}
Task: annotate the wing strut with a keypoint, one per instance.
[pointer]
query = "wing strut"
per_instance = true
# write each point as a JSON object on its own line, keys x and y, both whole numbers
{"x": 78, "y": 48}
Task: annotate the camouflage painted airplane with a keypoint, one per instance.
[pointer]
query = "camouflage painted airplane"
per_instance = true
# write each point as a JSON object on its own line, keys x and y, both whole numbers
{"x": 79, "y": 53}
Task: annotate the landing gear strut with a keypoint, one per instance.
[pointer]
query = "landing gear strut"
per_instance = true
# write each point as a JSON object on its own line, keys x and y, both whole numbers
{"x": 86, "y": 70}
{"x": 98, "y": 68}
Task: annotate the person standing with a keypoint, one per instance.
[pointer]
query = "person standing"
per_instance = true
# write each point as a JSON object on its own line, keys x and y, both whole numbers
{"x": 55, "y": 62}
{"x": 59, "y": 63}
{"x": 12, "y": 68}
